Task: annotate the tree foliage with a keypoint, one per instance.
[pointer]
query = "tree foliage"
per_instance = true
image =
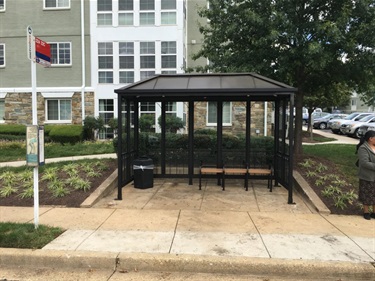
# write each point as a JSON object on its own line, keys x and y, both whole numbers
{"x": 325, "y": 48}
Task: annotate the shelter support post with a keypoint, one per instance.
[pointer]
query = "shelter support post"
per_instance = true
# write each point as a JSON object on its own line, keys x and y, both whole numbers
{"x": 291, "y": 148}
{"x": 191, "y": 142}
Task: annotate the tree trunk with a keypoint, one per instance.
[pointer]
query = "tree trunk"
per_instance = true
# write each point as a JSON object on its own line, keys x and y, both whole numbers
{"x": 298, "y": 125}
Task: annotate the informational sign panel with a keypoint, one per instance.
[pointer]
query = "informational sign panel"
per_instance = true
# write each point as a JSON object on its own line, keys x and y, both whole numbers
{"x": 42, "y": 52}
{"x": 41, "y": 145}
{"x": 30, "y": 44}
{"x": 32, "y": 145}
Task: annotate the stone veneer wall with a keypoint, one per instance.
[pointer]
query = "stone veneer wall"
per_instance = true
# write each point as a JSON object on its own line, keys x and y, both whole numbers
{"x": 18, "y": 108}
{"x": 238, "y": 118}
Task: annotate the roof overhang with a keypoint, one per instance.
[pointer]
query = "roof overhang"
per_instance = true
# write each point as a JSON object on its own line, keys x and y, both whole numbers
{"x": 230, "y": 86}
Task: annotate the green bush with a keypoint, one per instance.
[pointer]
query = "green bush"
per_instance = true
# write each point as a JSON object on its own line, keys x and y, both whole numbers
{"x": 66, "y": 134}
{"x": 12, "y": 129}
{"x": 90, "y": 125}
{"x": 12, "y": 137}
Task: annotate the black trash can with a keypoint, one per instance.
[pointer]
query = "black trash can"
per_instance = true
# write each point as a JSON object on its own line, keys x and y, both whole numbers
{"x": 143, "y": 172}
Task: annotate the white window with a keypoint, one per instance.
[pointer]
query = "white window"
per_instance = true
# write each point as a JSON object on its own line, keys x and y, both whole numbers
{"x": 2, "y": 55}
{"x": 2, "y": 5}
{"x": 56, "y": 4}
{"x": 59, "y": 110}
{"x": 126, "y": 15}
{"x": 126, "y": 62}
{"x": 147, "y": 74}
{"x": 168, "y": 54}
{"x": 147, "y": 14}
{"x": 168, "y": 13}
{"x": 104, "y": 16}
{"x": 168, "y": 18}
{"x": 147, "y": 58}
{"x": 105, "y": 62}
{"x": 146, "y": 18}
{"x": 2, "y": 110}
{"x": 61, "y": 53}
{"x": 126, "y": 19}
{"x": 106, "y": 112}
{"x": 212, "y": 113}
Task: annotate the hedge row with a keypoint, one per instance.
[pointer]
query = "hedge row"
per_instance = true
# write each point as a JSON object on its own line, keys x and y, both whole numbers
{"x": 56, "y": 133}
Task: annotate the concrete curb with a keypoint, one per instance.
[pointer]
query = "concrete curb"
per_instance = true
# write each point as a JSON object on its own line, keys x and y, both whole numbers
{"x": 184, "y": 263}
{"x": 103, "y": 190}
{"x": 301, "y": 185}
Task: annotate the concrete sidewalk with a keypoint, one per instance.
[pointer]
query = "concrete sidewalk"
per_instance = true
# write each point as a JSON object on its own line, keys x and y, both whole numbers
{"x": 176, "y": 227}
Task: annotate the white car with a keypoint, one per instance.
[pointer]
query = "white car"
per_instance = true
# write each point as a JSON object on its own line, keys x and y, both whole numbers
{"x": 335, "y": 124}
{"x": 351, "y": 128}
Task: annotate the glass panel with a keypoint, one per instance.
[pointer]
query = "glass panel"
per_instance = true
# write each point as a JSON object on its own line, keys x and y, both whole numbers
{"x": 105, "y": 62}
{"x": 147, "y": 74}
{"x": 126, "y": 48}
{"x": 127, "y": 62}
{"x": 2, "y": 109}
{"x": 147, "y": 61}
{"x": 168, "y": 62}
{"x": 104, "y": 5}
{"x": 146, "y": 18}
{"x": 168, "y": 4}
{"x": 65, "y": 110}
{"x": 168, "y": 47}
{"x": 126, "y": 19}
{"x": 168, "y": 18}
{"x": 126, "y": 76}
{"x": 125, "y": 5}
{"x": 104, "y": 19}
{"x": 105, "y": 77}
{"x": 52, "y": 110}
{"x": 147, "y": 5}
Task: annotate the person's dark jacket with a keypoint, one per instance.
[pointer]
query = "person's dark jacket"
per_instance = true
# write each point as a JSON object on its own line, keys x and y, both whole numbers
{"x": 366, "y": 158}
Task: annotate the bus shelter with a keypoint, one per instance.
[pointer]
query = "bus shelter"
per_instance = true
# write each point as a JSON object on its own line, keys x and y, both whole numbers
{"x": 191, "y": 89}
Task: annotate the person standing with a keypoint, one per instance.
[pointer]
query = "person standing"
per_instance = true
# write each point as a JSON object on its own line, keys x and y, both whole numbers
{"x": 366, "y": 173}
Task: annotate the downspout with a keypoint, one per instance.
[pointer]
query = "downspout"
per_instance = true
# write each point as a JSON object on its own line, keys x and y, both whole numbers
{"x": 265, "y": 119}
{"x": 83, "y": 53}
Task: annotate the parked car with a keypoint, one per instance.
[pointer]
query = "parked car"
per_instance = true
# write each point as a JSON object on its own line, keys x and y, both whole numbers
{"x": 322, "y": 122}
{"x": 335, "y": 124}
{"x": 316, "y": 113}
{"x": 364, "y": 128}
{"x": 351, "y": 128}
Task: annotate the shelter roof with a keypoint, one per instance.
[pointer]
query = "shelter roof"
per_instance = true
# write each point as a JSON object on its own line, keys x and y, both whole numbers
{"x": 211, "y": 84}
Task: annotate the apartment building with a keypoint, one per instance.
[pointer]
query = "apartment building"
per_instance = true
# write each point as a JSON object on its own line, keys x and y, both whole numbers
{"x": 132, "y": 40}
{"x": 63, "y": 90}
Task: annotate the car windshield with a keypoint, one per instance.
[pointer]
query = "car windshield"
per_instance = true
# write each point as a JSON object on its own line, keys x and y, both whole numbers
{"x": 351, "y": 116}
{"x": 367, "y": 118}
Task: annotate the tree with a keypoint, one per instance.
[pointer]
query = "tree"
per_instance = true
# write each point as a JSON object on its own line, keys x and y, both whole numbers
{"x": 172, "y": 123}
{"x": 146, "y": 122}
{"x": 319, "y": 46}
{"x": 92, "y": 125}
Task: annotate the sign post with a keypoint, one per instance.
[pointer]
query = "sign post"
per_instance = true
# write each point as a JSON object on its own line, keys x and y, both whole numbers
{"x": 38, "y": 51}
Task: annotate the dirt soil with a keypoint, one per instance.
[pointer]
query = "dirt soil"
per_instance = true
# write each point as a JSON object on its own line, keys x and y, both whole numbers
{"x": 353, "y": 208}
{"x": 74, "y": 199}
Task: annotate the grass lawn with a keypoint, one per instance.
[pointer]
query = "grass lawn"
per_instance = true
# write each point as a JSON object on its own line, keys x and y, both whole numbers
{"x": 24, "y": 235}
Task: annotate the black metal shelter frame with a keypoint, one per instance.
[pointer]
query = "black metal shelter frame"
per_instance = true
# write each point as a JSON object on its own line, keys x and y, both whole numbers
{"x": 190, "y": 88}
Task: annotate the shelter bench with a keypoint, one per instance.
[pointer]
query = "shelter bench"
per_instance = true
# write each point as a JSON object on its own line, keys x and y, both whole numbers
{"x": 262, "y": 172}
{"x": 205, "y": 170}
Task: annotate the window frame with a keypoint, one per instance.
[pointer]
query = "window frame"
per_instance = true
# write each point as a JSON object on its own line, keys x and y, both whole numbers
{"x": 3, "y": 6}
{"x": 58, "y": 54}
{"x": 56, "y": 7}
{"x": 3, "y": 57}
{"x": 2, "y": 108}
{"x": 108, "y": 52}
{"x": 229, "y": 104}
{"x": 59, "y": 120}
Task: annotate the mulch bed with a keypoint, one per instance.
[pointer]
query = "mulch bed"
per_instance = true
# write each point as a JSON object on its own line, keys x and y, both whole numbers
{"x": 74, "y": 199}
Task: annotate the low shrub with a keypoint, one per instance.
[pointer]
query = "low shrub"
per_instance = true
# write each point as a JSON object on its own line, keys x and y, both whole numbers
{"x": 66, "y": 134}
{"x": 12, "y": 129}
